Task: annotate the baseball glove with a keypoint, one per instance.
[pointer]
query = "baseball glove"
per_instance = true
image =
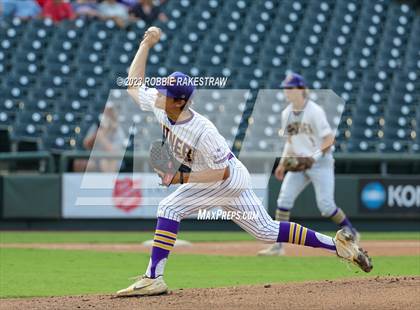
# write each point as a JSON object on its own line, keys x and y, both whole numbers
{"x": 297, "y": 163}
{"x": 293, "y": 129}
{"x": 163, "y": 162}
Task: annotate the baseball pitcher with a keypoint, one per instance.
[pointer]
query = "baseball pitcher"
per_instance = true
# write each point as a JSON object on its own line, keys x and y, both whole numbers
{"x": 307, "y": 157}
{"x": 215, "y": 177}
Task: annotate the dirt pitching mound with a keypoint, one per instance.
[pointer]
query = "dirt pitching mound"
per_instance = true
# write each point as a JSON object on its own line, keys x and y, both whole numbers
{"x": 365, "y": 293}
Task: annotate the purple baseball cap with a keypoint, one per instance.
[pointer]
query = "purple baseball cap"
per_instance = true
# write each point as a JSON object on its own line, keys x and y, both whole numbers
{"x": 178, "y": 86}
{"x": 293, "y": 80}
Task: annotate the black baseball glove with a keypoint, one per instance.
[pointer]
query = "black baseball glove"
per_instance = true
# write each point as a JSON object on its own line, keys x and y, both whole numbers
{"x": 298, "y": 163}
{"x": 165, "y": 164}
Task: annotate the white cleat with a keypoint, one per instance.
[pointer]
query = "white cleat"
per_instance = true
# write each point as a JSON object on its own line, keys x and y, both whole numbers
{"x": 348, "y": 249}
{"x": 275, "y": 249}
{"x": 145, "y": 286}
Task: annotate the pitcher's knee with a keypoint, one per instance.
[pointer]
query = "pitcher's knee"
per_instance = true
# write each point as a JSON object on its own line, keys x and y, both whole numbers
{"x": 169, "y": 212}
{"x": 265, "y": 236}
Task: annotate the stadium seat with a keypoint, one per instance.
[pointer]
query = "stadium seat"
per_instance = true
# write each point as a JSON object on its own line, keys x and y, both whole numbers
{"x": 57, "y": 144}
{"x": 39, "y": 105}
{"x": 26, "y": 136}
{"x": 365, "y": 51}
{"x": 7, "y": 118}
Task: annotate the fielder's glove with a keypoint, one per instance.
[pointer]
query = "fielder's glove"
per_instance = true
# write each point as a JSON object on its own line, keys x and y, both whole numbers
{"x": 165, "y": 164}
{"x": 297, "y": 163}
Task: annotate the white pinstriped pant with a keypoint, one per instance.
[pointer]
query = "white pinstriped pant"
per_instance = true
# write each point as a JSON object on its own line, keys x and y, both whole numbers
{"x": 232, "y": 194}
{"x": 322, "y": 177}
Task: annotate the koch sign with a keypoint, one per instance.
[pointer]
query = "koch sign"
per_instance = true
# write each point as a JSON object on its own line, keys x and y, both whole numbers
{"x": 391, "y": 195}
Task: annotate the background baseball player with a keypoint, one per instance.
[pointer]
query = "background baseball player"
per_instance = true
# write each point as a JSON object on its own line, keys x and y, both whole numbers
{"x": 218, "y": 178}
{"x": 308, "y": 157}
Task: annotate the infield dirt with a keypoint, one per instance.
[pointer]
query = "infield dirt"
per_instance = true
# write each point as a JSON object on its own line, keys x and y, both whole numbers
{"x": 367, "y": 293}
{"x": 362, "y": 293}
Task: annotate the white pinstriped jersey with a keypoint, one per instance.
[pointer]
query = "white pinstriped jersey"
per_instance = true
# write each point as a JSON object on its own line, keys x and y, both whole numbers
{"x": 194, "y": 142}
{"x": 306, "y": 129}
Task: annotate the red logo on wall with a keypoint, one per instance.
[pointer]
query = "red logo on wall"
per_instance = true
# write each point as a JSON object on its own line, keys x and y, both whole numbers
{"x": 126, "y": 194}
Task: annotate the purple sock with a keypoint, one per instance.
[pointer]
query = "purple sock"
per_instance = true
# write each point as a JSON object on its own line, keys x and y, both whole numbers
{"x": 294, "y": 233}
{"x": 340, "y": 218}
{"x": 164, "y": 240}
{"x": 346, "y": 222}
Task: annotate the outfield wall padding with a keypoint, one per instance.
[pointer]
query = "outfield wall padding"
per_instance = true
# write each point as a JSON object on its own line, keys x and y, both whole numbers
{"x": 39, "y": 197}
{"x": 368, "y": 197}
{"x": 31, "y": 196}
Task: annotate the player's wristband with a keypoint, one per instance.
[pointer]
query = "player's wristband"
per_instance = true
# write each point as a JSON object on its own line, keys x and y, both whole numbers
{"x": 317, "y": 155}
{"x": 184, "y": 177}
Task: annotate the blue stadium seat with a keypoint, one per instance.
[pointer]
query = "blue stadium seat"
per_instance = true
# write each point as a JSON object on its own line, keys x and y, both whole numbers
{"x": 7, "y": 119}
{"x": 365, "y": 51}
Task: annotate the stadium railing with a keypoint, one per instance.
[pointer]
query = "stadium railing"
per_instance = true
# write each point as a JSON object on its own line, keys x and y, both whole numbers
{"x": 259, "y": 162}
{"x": 44, "y": 161}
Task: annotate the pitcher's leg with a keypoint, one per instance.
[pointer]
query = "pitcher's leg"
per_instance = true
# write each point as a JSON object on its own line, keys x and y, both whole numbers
{"x": 292, "y": 185}
{"x": 152, "y": 283}
{"x": 264, "y": 228}
{"x": 255, "y": 220}
{"x": 187, "y": 199}
{"x": 163, "y": 242}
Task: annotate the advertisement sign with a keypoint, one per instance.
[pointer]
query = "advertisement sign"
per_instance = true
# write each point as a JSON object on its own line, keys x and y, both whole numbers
{"x": 124, "y": 195}
{"x": 389, "y": 195}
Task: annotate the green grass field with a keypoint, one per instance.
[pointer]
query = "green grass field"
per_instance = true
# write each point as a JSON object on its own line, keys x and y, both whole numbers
{"x": 136, "y": 237}
{"x": 35, "y": 272}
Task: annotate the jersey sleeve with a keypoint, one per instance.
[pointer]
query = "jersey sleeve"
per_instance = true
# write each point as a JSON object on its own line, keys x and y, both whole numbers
{"x": 321, "y": 124}
{"x": 214, "y": 149}
{"x": 147, "y": 98}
